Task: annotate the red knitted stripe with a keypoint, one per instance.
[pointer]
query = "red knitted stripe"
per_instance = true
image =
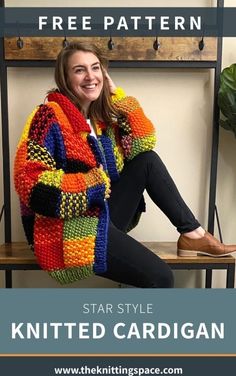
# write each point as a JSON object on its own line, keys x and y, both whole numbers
{"x": 73, "y": 114}
{"x": 48, "y": 245}
{"x": 77, "y": 148}
{"x": 41, "y": 123}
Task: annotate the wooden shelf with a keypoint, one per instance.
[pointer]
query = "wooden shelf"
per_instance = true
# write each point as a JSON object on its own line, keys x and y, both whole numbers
{"x": 20, "y": 253}
{"x": 126, "y": 48}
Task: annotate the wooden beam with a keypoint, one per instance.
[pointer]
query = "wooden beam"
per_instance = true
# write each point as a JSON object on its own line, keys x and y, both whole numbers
{"x": 131, "y": 49}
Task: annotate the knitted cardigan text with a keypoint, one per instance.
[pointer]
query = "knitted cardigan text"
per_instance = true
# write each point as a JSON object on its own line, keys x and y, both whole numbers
{"x": 62, "y": 186}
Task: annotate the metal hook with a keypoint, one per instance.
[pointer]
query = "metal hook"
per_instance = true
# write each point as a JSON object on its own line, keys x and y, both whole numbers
{"x": 201, "y": 44}
{"x": 156, "y": 44}
{"x": 20, "y": 43}
{"x": 110, "y": 44}
{"x": 65, "y": 42}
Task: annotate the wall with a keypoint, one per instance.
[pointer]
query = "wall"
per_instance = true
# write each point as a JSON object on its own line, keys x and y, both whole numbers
{"x": 184, "y": 139}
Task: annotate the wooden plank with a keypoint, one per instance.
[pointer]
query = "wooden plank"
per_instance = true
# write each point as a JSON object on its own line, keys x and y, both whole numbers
{"x": 16, "y": 253}
{"x": 20, "y": 253}
{"x": 126, "y": 48}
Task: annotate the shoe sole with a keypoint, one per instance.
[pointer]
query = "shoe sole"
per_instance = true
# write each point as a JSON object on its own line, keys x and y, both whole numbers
{"x": 188, "y": 253}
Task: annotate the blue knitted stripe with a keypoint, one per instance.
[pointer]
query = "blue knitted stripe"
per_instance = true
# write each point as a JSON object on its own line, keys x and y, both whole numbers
{"x": 96, "y": 195}
{"x": 110, "y": 158}
{"x": 100, "y": 262}
{"x": 54, "y": 143}
{"x": 93, "y": 142}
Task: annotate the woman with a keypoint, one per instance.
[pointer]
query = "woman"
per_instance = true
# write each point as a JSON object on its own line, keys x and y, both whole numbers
{"x": 82, "y": 165}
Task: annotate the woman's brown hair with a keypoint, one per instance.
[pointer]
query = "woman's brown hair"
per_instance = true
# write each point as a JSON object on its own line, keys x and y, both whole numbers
{"x": 101, "y": 109}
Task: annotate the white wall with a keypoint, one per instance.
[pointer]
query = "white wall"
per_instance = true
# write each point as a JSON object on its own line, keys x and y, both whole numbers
{"x": 179, "y": 102}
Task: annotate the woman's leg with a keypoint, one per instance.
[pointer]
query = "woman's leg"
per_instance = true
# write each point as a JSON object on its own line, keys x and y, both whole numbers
{"x": 147, "y": 171}
{"x": 131, "y": 263}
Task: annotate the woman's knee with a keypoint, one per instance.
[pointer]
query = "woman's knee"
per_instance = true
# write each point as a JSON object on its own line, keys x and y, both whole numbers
{"x": 147, "y": 156}
{"x": 164, "y": 278}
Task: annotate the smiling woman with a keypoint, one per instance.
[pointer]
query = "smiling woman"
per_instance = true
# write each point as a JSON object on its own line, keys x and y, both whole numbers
{"x": 82, "y": 165}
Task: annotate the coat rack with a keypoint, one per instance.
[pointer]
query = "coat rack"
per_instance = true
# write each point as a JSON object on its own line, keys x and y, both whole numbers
{"x": 164, "y": 52}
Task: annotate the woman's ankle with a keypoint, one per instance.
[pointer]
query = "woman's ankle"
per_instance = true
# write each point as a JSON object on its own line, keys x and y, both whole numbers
{"x": 198, "y": 233}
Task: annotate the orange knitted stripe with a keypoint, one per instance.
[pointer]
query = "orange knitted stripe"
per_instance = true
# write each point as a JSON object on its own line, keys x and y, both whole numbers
{"x": 73, "y": 183}
{"x": 64, "y": 122}
{"x": 26, "y": 173}
{"x": 21, "y": 157}
{"x": 79, "y": 252}
{"x": 141, "y": 126}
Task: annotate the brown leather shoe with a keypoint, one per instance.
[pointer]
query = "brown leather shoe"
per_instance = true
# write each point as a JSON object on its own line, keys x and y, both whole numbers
{"x": 207, "y": 245}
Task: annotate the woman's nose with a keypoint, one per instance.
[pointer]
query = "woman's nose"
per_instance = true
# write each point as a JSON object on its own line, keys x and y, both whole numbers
{"x": 89, "y": 74}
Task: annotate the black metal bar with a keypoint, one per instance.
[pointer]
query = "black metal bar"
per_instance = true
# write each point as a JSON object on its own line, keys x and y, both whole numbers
{"x": 2, "y": 211}
{"x": 20, "y": 266}
{"x": 8, "y": 279}
{"x": 230, "y": 277}
{"x": 230, "y": 268}
{"x": 177, "y": 266}
{"x": 218, "y": 224}
{"x": 215, "y": 134}
{"x": 121, "y": 64}
{"x": 30, "y": 63}
{"x": 163, "y": 64}
{"x": 5, "y": 143}
{"x": 199, "y": 266}
{"x": 208, "y": 280}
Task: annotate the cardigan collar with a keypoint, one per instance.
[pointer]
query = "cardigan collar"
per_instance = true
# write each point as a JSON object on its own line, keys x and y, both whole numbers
{"x": 75, "y": 117}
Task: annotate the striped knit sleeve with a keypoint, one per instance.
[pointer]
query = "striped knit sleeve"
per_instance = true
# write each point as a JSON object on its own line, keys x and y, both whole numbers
{"x": 45, "y": 188}
{"x": 137, "y": 131}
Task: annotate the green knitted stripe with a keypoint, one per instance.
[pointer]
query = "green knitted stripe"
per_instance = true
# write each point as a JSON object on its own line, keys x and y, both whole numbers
{"x": 142, "y": 144}
{"x": 111, "y": 134}
{"x": 72, "y": 274}
{"x": 80, "y": 227}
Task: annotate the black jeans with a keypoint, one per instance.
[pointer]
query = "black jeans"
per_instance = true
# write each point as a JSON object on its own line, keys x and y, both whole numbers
{"x": 129, "y": 261}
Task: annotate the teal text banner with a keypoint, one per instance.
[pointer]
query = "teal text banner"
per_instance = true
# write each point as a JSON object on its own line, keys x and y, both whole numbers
{"x": 124, "y": 21}
{"x": 117, "y": 321}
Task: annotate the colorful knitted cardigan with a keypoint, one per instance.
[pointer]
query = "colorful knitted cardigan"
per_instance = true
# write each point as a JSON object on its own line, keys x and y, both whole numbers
{"x": 62, "y": 187}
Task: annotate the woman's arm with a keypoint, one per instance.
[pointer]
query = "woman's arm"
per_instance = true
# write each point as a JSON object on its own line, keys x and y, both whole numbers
{"x": 137, "y": 131}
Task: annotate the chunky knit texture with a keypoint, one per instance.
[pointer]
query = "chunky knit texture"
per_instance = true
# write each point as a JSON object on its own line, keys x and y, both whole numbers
{"x": 62, "y": 186}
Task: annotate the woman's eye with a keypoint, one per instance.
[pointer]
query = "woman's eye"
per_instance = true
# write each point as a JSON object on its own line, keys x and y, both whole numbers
{"x": 79, "y": 70}
{"x": 96, "y": 68}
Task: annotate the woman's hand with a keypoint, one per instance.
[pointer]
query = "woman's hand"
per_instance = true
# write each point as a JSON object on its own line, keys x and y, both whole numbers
{"x": 111, "y": 84}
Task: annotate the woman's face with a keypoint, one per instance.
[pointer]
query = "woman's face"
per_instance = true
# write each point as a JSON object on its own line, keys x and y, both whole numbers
{"x": 85, "y": 77}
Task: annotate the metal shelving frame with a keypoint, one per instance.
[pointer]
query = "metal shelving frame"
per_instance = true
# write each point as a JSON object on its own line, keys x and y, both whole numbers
{"x": 5, "y": 64}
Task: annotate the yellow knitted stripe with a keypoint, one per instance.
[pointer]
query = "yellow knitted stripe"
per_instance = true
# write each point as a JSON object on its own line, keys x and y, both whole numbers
{"x": 140, "y": 145}
{"x": 106, "y": 180}
{"x": 52, "y": 178}
{"x": 40, "y": 153}
{"x": 98, "y": 130}
{"x": 118, "y": 95}
{"x": 72, "y": 204}
{"x": 26, "y": 129}
{"x": 119, "y": 158}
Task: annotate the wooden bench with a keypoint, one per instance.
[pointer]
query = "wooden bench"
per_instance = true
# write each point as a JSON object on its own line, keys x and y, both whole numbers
{"x": 18, "y": 256}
